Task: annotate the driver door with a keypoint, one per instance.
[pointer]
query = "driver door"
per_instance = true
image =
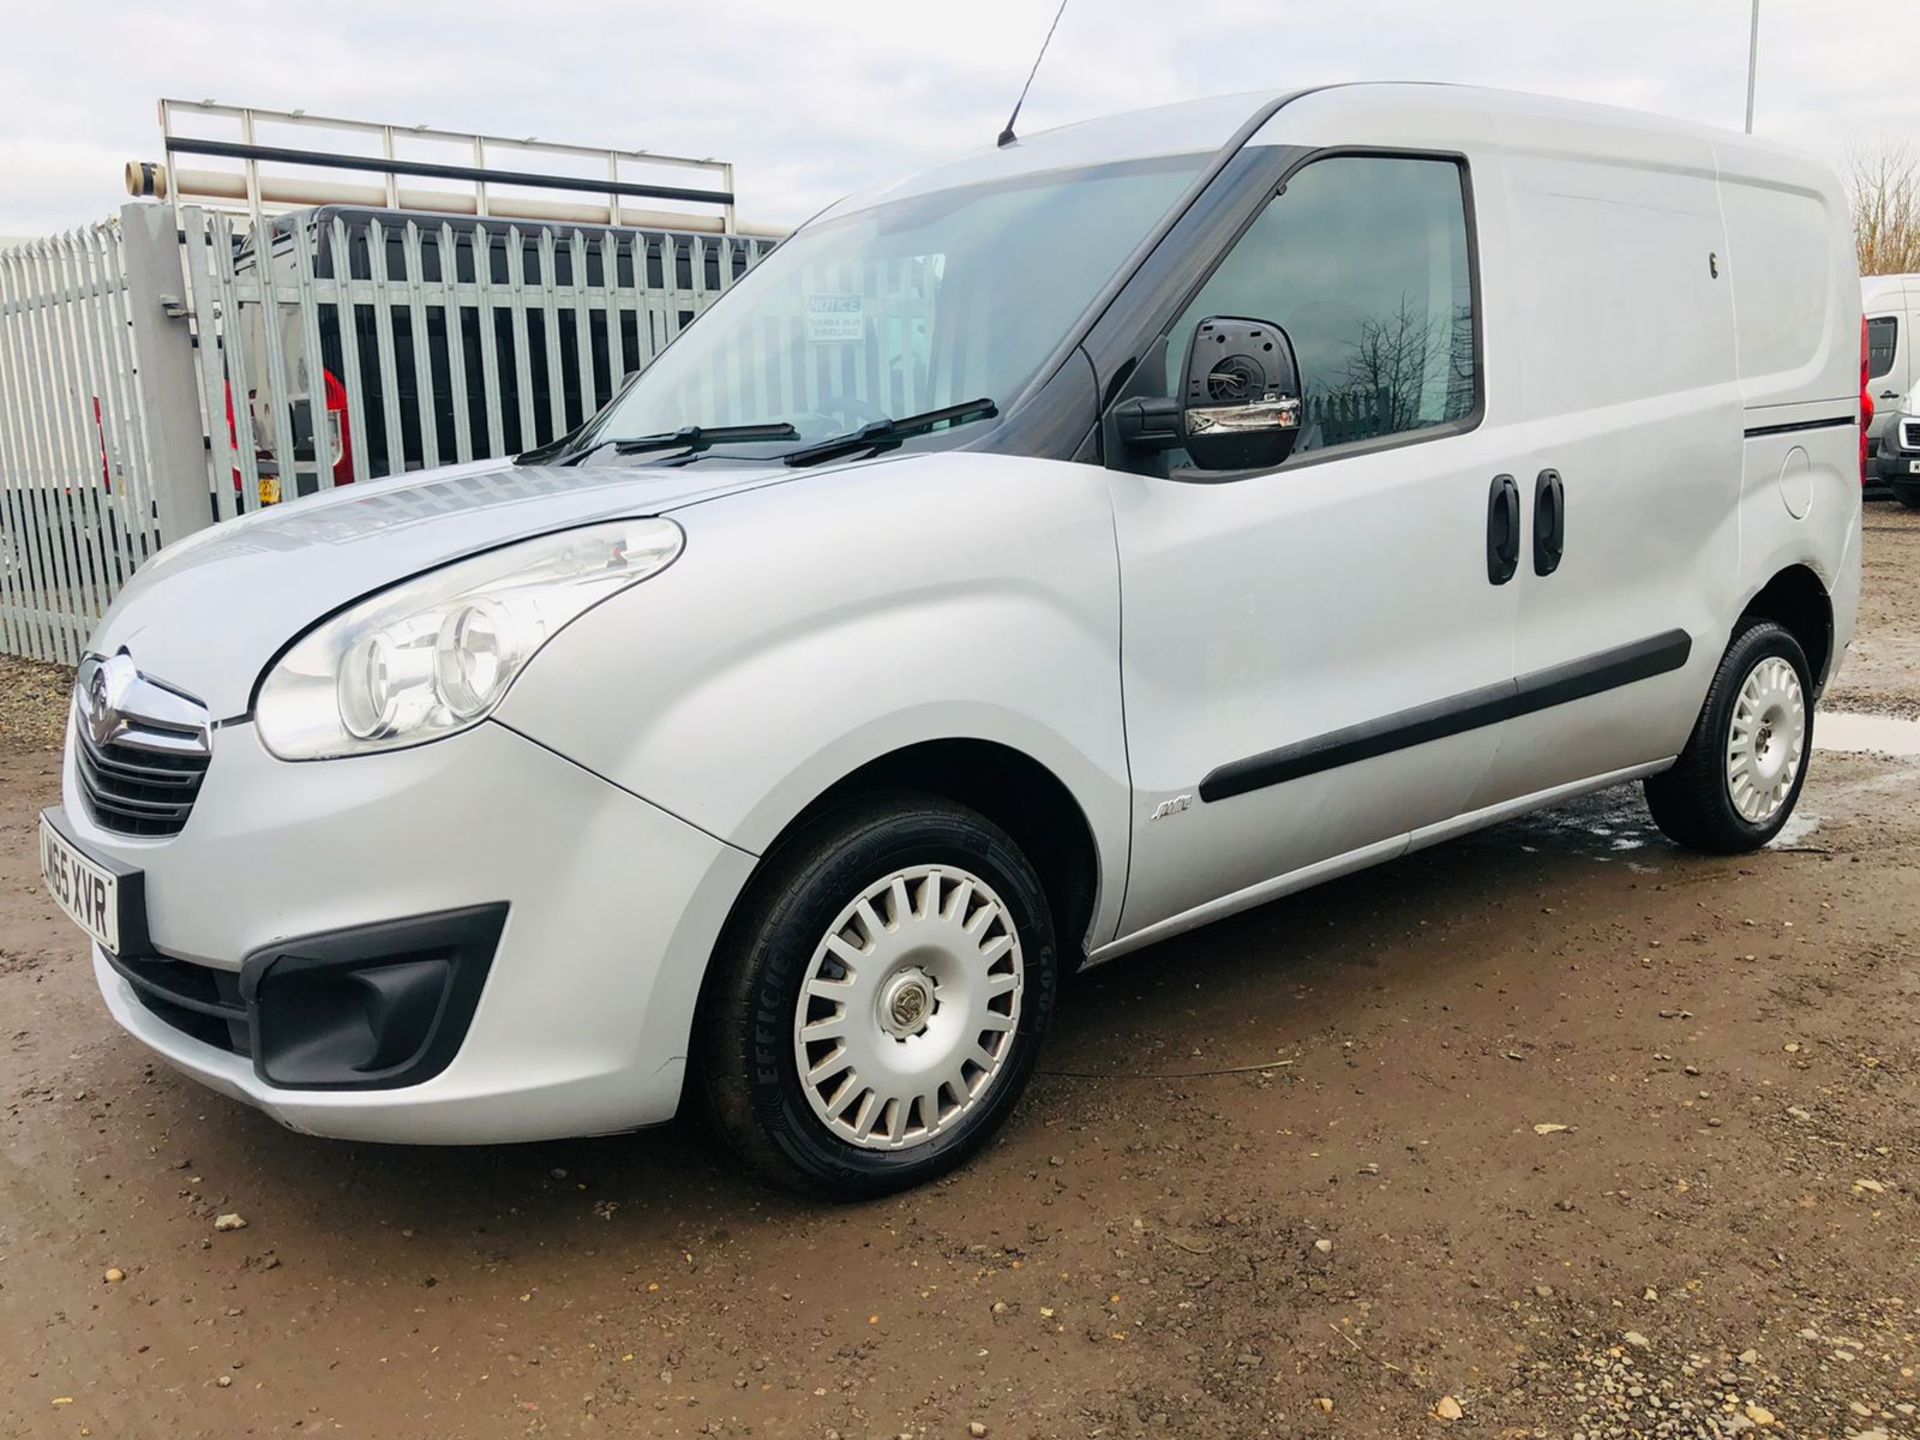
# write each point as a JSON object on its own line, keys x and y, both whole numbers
{"x": 1315, "y": 658}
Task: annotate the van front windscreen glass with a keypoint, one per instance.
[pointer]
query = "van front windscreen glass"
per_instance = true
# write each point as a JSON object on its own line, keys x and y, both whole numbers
{"x": 906, "y": 306}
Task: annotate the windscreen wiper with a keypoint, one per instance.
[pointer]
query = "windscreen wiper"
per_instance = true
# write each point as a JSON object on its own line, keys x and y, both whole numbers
{"x": 691, "y": 438}
{"x": 883, "y": 434}
{"x": 552, "y": 450}
{"x": 699, "y": 437}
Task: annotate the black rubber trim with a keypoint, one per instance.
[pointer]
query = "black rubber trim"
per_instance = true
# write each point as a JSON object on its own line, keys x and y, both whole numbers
{"x": 376, "y": 165}
{"x": 1830, "y": 422}
{"x": 466, "y": 939}
{"x": 157, "y": 978}
{"x": 1455, "y": 715}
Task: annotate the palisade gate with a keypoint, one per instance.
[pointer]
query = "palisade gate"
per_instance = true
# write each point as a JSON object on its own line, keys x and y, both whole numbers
{"x": 78, "y": 505}
{"x": 185, "y": 364}
{"x": 159, "y": 373}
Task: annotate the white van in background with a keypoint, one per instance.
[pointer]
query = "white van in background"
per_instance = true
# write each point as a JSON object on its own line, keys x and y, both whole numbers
{"x": 1024, "y": 562}
{"x": 1891, "y": 305}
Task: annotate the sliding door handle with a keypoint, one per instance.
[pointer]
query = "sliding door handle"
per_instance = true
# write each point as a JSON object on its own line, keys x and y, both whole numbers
{"x": 1549, "y": 522}
{"x": 1503, "y": 529}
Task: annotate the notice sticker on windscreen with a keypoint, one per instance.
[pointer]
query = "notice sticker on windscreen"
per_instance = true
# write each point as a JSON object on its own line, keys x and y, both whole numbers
{"x": 836, "y": 319}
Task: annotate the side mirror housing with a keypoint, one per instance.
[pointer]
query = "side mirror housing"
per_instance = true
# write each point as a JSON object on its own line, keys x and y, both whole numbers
{"x": 1240, "y": 397}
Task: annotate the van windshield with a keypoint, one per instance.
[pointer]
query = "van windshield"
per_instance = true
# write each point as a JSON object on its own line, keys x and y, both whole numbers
{"x": 904, "y": 307}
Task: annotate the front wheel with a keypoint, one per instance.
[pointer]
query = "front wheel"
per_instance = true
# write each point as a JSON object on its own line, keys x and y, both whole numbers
{"x": 879, "y": 998}
{"x": 1739, "y": 777}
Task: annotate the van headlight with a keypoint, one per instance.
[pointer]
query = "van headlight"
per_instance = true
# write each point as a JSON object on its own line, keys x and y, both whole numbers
{"x": 433, "y": 655}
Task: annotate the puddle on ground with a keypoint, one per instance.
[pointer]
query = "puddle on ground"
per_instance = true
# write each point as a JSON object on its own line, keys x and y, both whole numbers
{"x": 1799, "y": 826}
{"x": 1612, "y": 826}
{"x": 1869, "y": 734}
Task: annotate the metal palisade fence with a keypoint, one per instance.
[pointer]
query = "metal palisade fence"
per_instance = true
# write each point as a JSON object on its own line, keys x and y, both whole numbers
{"x": 396, "y": 344}
{"x": 159, "y": 374}
{"x": 76, "y": 497}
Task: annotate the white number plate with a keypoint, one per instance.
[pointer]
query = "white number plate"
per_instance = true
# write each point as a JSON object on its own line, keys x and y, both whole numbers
{"x": 1913, "y": 467}
{"x": 87, "y": 891}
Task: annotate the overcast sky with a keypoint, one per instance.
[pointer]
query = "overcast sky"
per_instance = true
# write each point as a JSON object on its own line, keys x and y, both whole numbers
{"x": 811, "y": 100}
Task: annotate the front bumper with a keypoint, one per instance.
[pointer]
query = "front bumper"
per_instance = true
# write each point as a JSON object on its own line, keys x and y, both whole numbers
{"x": 1896, "y": 472}
{"x": 1892, "y": 464}
{"x": 613, "y": 908}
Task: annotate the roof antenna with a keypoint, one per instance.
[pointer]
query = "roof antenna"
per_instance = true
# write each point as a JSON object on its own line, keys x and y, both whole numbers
{"x": 1007, "y": 137}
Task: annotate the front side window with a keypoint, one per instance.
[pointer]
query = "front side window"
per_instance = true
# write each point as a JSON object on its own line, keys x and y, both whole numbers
{"x": 907, "y": 306}
{"x": 1363, "y": 260}
{"x": 1883, "y": 332}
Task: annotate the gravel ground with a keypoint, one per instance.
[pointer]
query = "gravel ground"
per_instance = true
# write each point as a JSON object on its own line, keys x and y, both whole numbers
{"x": 1556, "y": 1132}
{"x": 33, "y": 704}
{"x": 1882, "y": 673}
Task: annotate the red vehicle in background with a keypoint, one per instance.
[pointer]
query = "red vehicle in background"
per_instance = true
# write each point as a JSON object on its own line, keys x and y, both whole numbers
{"x": 1866, "y": 405}
{"x": 338, "y": 430}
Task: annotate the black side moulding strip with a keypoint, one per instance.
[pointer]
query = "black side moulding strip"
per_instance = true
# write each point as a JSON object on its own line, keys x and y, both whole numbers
{"x": 1455, "y": 715}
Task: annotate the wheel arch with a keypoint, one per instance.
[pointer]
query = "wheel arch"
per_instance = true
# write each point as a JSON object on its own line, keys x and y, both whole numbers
{"x": 1797, "y": 599}
{"x": 1009, "y": 787}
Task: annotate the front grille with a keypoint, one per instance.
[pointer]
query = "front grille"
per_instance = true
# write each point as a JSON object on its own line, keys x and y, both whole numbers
{"x": 1910, "y": 434}
{"x": 140, "y": 747}
{"x": 141, "y": 782}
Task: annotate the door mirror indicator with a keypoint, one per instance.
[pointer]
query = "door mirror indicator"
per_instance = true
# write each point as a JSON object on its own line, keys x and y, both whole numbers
{"x": 1239, "y": 403}
{"x": 1240, "y": 397}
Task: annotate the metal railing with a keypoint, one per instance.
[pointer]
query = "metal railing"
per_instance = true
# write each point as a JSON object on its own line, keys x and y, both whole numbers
{"x": 420, "y": 168}
{"x": 352, "y": 345}
{"x": 76, "y": 499}
{"x": 158, "y": 375}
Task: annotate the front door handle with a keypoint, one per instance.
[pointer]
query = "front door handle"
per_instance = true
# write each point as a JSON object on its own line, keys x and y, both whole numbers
{"x": 1889, "y": 394}
{"x": 1549, "y": 522}
{"x": 1503, "y": 529}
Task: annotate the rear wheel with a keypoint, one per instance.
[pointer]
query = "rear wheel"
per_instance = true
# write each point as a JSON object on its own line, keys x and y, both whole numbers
{"x": 879, "y": 998}
{"x": 1738, "y": 779}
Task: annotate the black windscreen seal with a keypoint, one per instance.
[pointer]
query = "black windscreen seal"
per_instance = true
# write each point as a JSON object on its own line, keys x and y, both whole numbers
{"x": 1455, "y": 715}
{"x": 1829, "y": 422}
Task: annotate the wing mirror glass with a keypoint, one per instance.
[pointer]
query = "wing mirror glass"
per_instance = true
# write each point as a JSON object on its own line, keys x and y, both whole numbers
{"x": 1238, "y": 407}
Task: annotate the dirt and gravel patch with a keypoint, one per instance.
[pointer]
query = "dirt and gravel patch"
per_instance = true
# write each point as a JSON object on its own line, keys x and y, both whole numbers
{"x": 1882, "y": 673}
{"x": 1555, "y": 1130}
{"x": 33, "y": 704}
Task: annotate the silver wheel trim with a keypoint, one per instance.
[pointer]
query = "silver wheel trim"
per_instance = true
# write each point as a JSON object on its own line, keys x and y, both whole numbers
{"x": 908, "y": 1009}
{"x": 1766, "y": 742}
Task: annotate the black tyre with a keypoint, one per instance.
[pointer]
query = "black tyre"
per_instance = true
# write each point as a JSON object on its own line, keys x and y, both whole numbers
{"x": 1738, "y": 779}
{"x": 1908, "y": 496}
{"x": 878, "y": 998}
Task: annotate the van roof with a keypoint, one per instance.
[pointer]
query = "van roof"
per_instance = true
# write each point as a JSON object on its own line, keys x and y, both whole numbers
{"x": 1190, "y": 127}
{"x": 1881, "y": 289}
{"x": 1204, "y": 126}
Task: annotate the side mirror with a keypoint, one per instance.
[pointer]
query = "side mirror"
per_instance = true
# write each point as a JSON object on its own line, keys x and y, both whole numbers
{"x": 1242, "y": 395}
{"x": 1239, "y": 401}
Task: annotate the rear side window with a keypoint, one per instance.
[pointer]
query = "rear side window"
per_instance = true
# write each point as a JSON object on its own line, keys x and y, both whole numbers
{"x": 1364, "y": 261}
{"x": 1883, "y": 334}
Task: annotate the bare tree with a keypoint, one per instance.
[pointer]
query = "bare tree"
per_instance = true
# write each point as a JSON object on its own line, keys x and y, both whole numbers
{"x": 1884, "y": 186}
{"x": 1387, "y": 364}
{"x": 1392, "y": 364}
